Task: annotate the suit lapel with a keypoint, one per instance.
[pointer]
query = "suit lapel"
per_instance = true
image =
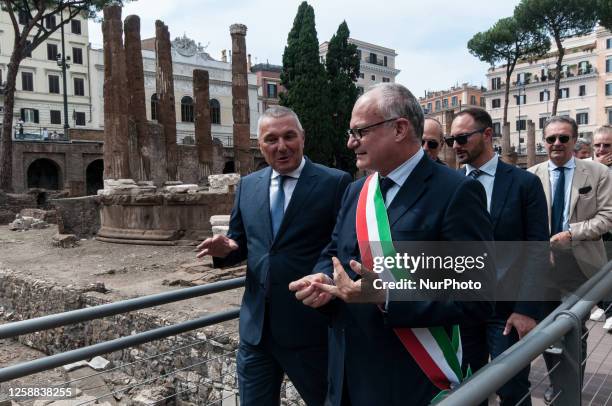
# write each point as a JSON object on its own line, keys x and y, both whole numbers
{"x": 542, "y": 173}
{"x": 262, "y": 199}
{"x": 305, "y": 183}
{"x": 579, "y": 180}
{"x": 410, "y": 192}
{"x": 501, "y": 186}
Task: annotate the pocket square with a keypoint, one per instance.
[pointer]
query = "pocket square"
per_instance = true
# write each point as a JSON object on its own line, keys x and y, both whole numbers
{"x": 584, "y": 190}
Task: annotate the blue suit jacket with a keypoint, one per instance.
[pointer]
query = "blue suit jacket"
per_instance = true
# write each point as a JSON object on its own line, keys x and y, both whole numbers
{"x": 272, "y": 263}
{"x": 519, "y": 213}
{"x": 434, "y": 204}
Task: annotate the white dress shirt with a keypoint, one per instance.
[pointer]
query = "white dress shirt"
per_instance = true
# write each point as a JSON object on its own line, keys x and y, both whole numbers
{"x": 487, "y": 177}
{"x": 569, "y": 176}
{"x": 288, "y": 185}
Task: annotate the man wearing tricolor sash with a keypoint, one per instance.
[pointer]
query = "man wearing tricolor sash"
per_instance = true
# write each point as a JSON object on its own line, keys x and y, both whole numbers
{"x": 383, "y": 350}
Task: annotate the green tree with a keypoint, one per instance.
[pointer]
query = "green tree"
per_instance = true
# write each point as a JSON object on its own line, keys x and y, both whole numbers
{"x": 28, "y": 18}
{"x": 560, "y": 19}
{"x": 604, "y": 12}
{"x": 507, "y": 42}
{"x": 305, "y": 80}
{"x": 342, "y": 65}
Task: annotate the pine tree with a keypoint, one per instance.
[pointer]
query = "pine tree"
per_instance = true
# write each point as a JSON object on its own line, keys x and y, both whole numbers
{"x": 342, "y": 65}
{"x": 305, "y": 79}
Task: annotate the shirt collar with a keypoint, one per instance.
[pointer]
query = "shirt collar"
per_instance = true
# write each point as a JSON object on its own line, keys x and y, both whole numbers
{"x": 295, "y": 174}
{"x": 489, "y": 167}
{"x": 571, "y": 164}
{"x": 401, "y": 173}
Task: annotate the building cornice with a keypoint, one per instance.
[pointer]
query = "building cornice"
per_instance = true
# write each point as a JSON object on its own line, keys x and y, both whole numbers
{"x": 379, "y": 68}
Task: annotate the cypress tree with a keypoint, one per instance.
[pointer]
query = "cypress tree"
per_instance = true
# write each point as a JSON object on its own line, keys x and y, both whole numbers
{"x": 342, "y": 65}
{"x": 305, "y": 79}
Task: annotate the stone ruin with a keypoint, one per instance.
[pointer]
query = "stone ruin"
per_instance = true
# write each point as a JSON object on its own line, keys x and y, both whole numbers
{"x": 143, "y": 200}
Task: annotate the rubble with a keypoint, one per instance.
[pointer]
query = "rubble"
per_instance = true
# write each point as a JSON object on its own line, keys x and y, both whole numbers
{"x": 65, "y": 240}
{"x": 24, "y": 223}
{"x": 99, "y": 363}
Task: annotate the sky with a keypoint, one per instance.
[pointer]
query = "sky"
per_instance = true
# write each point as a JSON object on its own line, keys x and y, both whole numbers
{"x": 429, "y": 36}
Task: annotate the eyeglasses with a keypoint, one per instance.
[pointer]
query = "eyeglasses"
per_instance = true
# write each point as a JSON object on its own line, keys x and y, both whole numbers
{"x": 431, "y": 144}
{"x": 360, "y": 132}
{"x": 601, "y": 145}
{"x": 552, "y": 138}
{"x": 461, "y": 139}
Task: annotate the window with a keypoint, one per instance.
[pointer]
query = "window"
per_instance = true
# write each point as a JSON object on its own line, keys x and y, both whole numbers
{"x": 359, "y": 54}
{"x": 359, "y": 90}
{"x": 52, "y": 52}
{"x": 372, "y": 58}
{"x": 564, "y": 93}
{"x": 50, "y": 21}
{"x": 77, "y": 56}
{"x": 384, "y": 61}
{"x": 609, "y": 43}
{"x": 24, "y": 17}
{"x": 29, "y": 115}
{"x": 79, "y": 87}
{"x": 544, "y": 95}
{"x": 386, "y": 80}
{"x": 75, "y": 26}
{"x": 483, "y": 102}
{"x": 215, "y": 111}
{"x": 437, "y": 105}
{"x": 154, "y": 105}
{"x": 373, "y": 78}
{"x": 521, "y": 78}
{"x": 79, "y": 118}
{"x": 361, "y": 75}
{"x": 187, "y": 109}
{"x": 56, "y": 117}
{"x": 454, "y": 101}
{"x": 582, "y": 90}
{"x": 444, "y": 103}
{"x": 608, "y": 88}
{"x": 495, "y": 83}
{"x": 473, "y": 100}
{"x": 27, "y": 81}
{"x": 496, "y": 129}
{"x": 608, "y": 64}
{"x": 429, "y": 106}
{"x": 582, "y": 118}
{"x": 542, "y": 121}
{"x": 521, "y": 99}
{"x": 28, "y": 49}
{"x": 584, "y": 67}
{"x": 271, "y": 90}
{"x": 521, "y": 124}
{"x": 54, "y": 86}
{"x": 610, "y": 116}
{"x": 496, "y": 103}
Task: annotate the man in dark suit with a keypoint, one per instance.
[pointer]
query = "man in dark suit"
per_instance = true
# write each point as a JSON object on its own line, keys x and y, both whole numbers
{"x": 517, "y": 204}
{"x": 369, "y": 364}
{"x": 282, "y": 218}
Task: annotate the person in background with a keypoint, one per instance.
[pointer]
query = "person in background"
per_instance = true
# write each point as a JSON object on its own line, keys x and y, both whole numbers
{"x": 582, "y": 149}
{"x": 433, "y": 139}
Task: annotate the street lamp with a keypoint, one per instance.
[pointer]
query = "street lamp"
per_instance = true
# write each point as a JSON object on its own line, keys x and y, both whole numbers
{"x": 63, "y": 62}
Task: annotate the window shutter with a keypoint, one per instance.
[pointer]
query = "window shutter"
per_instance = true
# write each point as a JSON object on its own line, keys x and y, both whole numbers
{"x": 36, "y": 116}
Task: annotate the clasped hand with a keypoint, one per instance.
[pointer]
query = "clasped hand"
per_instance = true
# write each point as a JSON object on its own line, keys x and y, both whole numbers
{"x": 319, "y": 289}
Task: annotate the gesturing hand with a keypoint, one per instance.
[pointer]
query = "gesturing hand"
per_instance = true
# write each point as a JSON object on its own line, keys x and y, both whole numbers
{"x": 217, "y": 246}
{"x": 306, "y": 292}
{"x": 352, "y": 291}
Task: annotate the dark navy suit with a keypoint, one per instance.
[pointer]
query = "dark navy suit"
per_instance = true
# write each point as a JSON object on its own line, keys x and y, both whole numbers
{"x": 277, "y": 332}
{"x": 368, "y": 363}
{"x": 518, "y": 213}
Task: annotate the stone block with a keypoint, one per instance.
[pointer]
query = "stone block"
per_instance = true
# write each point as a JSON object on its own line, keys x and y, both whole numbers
{"x": 183, "y": 188}
{"x": 220, "y": 220}
{"x": 220, "y": 181}
{"x": 99, "y": 363}
{"x": 79, "y": 216}
{"x": 49, "y": 216}
{"x": 223, "y": 230}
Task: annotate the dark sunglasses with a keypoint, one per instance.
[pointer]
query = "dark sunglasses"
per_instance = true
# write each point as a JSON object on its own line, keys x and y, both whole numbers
{"x": 359, "y": 132}
{"x": 552, "y": 138}
{"x": 431, "y": 144}
{"x": 461, "y": 139}
{"x": 601, "y": 145}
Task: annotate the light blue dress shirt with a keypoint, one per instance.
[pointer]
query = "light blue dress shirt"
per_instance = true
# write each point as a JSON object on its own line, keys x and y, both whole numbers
{"x": 487, "y": 178}
{"x": 288, "y": 185}
{"x": 553, "y": 175}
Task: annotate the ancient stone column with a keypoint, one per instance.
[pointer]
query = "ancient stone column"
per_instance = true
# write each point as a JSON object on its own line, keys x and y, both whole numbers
{"x": 531, "y": 147}
{"x": 240, "y": 101}
{"x": 449, "y": 153}
{"x": 137, "y": 112}
{"x": 506, "y": 142}
{"x": 203, "y": 135}
{"x": 116, "y": 153}
{"x": 166, "y": 114}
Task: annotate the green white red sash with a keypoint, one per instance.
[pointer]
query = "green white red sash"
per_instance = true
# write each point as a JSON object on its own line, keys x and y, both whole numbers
{"x": 438, "y": 356}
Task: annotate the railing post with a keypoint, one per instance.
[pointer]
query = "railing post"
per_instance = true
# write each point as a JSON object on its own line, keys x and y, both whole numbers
{"x": 567, "y": 377}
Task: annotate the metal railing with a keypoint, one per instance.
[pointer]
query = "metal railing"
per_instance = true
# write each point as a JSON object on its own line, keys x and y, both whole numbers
{"x": 561, "y": 329}
{"x": 38, "y": 133}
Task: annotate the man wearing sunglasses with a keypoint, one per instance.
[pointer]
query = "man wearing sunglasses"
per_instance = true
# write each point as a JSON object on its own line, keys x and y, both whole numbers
{"x": 579, "y": 198}
{"x": 517, "y": 205}
{"x": 424, "y": 201}
{"x": 433, "y": 138}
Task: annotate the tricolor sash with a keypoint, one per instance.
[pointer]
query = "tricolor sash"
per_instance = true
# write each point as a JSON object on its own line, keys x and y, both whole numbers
{"x": 438, "y": 356}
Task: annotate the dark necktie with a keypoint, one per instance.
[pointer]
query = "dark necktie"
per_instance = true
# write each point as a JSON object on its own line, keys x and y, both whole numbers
{"x": 475, "y": 173}
{"x": 277, "y": 206}
{"x": 385, "y": 185}
{"x": 558, "y": 206}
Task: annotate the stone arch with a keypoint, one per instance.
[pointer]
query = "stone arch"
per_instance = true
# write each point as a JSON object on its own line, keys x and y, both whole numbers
{"x": 229, "y": 167}
{"x": 94, "y": 176}
{"x": 44, "y": 173}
